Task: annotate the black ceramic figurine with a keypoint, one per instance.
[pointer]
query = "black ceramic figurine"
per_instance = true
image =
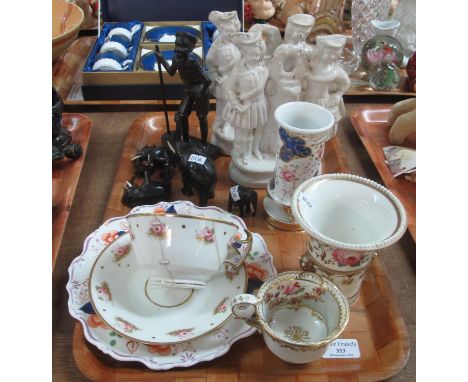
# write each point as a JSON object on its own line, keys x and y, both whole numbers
{"x": 244, "y": 198}
{"x": 150, "y": 192}
{"x": 196, "y": 93}
{"x": 198, "y": 173}
{"x": 61, "y": 137}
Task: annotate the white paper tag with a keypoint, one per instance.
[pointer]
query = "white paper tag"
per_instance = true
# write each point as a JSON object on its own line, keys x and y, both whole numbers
{"x": 197, "y": 159}
{"x": 234, "y": 190}
{"x": 305, "y": 198}
{"x": 343, "y": 348}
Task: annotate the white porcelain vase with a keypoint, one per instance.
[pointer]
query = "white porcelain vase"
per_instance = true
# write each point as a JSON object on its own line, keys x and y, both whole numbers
{"x": 348, "y": 218}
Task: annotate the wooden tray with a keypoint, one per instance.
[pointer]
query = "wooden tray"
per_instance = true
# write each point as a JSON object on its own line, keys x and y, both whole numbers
{"x": 67, "y": 80}
{"x": 375, "y": 319}
{"x": 68, "y": 172}
{"x": 370, "y": 122}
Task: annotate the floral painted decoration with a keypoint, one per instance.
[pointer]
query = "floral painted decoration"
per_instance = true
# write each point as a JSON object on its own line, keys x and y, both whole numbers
{"x": 206, "y": 235}
{"x": 222, "y": 307}
{"x": 293, "y": 294}
{"x": 120, "y": 253}
{"x": 94, "y": 321}
{"x": 104, "y": 291}
{"x": 255, "y": 271}
{"x": 181, "y": 333}
{"x": 287, "y": 174}
{"x": 346, "y": 258}
{"x": 162, "y": 350}
{"x": 158, "y": 230}
{"x": 109, "y": 237}
{"x": 126, "y": 326}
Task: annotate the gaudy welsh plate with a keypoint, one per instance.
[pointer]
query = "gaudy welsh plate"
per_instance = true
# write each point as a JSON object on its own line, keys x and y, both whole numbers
{"x": 125, "y": 299}
{"x": 258, "y": 264}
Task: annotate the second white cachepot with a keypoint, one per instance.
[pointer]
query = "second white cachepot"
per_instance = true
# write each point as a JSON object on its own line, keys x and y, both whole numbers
{"x": 299, "y": 314}
{"x": 348, "y": 218}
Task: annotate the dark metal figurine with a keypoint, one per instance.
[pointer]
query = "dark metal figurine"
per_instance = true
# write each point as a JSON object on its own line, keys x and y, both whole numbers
{"x": 61, "y": 137}
{"x": 198, "y": 173}
{"x": 150, "y": 192}
{"x": 197, "y": 82}
{"x": 243, "y": 198}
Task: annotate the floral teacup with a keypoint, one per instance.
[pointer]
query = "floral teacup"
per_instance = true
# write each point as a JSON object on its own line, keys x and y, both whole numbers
{"x": 299, "y": 314}
{"x": 185, "y": 251}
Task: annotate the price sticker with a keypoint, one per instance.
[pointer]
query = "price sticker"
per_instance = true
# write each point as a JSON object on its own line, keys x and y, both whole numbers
{"x": 343, "y": 348}
{"x": 197, "y": 159}
{"x": 234, "y": 190}
{"x": 305, "y": 198}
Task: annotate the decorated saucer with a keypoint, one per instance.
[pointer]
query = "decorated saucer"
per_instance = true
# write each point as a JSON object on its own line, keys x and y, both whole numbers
{"x": 124, "y": 298}
{"x": 258, "y": 264}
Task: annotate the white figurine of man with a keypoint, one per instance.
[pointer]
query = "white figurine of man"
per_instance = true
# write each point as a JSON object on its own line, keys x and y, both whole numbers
{"x": 246, "y": 108}
{"x": 287, "y": 70}
{"x": 326, "y": 81}
{"x": 220, "y": 61}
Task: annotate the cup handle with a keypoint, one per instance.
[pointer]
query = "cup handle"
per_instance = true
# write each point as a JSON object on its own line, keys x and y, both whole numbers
{"x": 244, "y": 306}
{"x": 236, "y": 257}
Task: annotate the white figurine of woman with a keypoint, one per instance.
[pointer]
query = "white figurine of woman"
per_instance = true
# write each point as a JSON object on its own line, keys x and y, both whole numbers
{"x": 220, "y": 61}
{"x": 246, "y": 108}
{"x": 326, "y": 81}
{"x": 287, "y": 70}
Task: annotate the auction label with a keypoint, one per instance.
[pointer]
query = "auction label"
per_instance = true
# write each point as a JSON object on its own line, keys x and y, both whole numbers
{"x": 343, "y": 348}
{"x": 197, "y": 159}
{"x": 305, "y": 198}
{"x": 235, "y": 193}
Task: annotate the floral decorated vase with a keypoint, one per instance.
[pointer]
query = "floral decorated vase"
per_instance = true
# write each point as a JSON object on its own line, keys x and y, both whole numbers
{"x": 383, "y": 46}
{"x": 348, "y": 218}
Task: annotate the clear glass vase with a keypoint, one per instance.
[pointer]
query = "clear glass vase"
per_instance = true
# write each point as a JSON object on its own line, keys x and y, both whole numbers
{"x": 362, "y": 13}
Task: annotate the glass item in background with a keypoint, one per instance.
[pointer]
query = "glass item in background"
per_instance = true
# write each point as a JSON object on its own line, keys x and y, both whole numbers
{"x": 384, "y": 76}
{"x": 382, "y": 45}
{"x": 411, "y": 73}
{"x": 362, "y": 13}
{"x": 349, "y": 60}
{"x": 405, "y": 13}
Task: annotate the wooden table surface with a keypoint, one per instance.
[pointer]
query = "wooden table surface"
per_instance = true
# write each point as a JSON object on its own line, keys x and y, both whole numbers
{"x": 87, "y": 213}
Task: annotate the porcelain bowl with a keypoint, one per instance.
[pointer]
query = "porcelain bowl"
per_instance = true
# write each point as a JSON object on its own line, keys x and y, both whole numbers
{"x": 66, "y": 22}
{"x": 185, "y": 251}
{"x": 349, "y": 212}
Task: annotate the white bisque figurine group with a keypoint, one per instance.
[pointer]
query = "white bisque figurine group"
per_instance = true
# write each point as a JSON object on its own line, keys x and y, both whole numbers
{"x": 253, "y": 73}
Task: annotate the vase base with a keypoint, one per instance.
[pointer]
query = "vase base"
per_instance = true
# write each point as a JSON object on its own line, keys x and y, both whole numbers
{"x": 280, "y": 216}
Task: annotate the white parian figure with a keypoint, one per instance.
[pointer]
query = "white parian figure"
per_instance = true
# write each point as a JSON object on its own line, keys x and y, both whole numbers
{"x": 326, "y": 81}
{"x": 220, "y": 61}
{"x": 246, "y": 108}
{"x": 287, "y": 67}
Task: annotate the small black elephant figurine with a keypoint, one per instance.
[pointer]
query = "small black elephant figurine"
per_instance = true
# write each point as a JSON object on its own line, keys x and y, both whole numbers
{"x": 150, "y": 192}
{"x": 154, "y": 158}
{"x": 198, "y": 173}
{"x": 243, "y": 197}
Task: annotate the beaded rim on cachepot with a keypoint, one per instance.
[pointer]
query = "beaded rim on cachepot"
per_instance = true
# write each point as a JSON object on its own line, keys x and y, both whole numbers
{"x": 322, "y": 282}
{"x": 312, "y": 230}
